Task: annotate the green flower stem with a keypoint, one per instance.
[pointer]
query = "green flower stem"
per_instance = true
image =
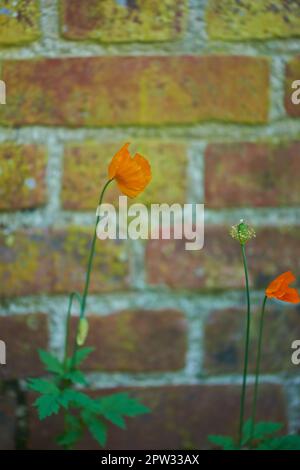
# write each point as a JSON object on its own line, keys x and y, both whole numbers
{"x": 243, "y": 395}
{"x": 91, "y": 256}
{"x": 71, "y": 298}
{"x": 257, "y": 369}
{"x": 88, "y": 273}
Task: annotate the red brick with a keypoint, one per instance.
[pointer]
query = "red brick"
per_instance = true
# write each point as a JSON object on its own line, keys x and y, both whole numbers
{"x": 292, "y": 74}
{"x": 181, "y": 418}
{"x": 252, "y": 174}
{"x": 85, "y": 168}
{"x": 224, "y": 340}
{"x": 22, "y": 176}
{"x": 106, "y": 91}
{"x": 7, "y": 419}
{"x": 54, "y": 261}
{"x": 219, "y": 265}
{"x": 23, "y": 335}
{"x": 137, "y": 341}
{"x": 150, "y": 20}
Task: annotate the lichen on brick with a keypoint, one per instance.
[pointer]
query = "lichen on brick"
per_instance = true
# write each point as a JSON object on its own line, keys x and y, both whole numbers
{"x": 19, "y": 22}
{"x": 22, "y": 176}
{"x": 70, "y": 250}
{"x": 248, "y": 19}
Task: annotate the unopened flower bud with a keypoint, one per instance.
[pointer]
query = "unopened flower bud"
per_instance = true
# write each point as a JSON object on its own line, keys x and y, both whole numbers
{"x": 242, "y": 232}
{"x": 83, "y": 330}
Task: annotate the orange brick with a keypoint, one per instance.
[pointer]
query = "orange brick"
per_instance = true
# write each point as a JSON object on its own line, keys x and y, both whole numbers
{"x": 107, "y": 91}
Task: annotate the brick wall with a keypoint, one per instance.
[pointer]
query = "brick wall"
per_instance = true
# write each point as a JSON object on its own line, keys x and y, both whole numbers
{"x": 203, "y": 88}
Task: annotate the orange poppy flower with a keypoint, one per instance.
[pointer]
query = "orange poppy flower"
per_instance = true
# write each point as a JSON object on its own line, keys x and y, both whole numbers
{"x": 279, "y": 288}
{"x": 132, "y": 174}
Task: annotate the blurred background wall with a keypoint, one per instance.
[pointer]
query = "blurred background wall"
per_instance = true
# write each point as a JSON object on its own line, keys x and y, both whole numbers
{"x": 203, "y": 89}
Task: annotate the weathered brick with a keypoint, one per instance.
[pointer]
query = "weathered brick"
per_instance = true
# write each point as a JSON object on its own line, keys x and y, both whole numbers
{"x": 173, "y": 422}
{"x": 22, "y": 176}
{"x": 7, "y": 419}
{"x": 219, "y": 265}
{"x": 111, "y": 21}
{"x": 292, "y": 74}
{"x": 23, "y": 335}
{"x": 105, "y": 91}
{"x": 25, "y": 266}
{"x": 55, "y": 261}
{"x": 19, "y": 22}
{"x": 137, "y": 341}
{"x": 70, "y": 251}
{"x": 263, "y": 19}
{"x": 252, "y": 174}
{"x": 85, "y": 168}
{"x": 224, "y": 340}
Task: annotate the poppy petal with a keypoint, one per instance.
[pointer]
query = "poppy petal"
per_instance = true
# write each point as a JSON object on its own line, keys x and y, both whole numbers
{"x": 118, "y": 160}
{"x": 291, "y": 295}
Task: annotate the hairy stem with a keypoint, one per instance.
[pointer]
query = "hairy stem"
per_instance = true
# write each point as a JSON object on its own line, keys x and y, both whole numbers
{"x": 246, "y": 354}
{"x": 257, "y": 368}
{"x": 71, "y": 298}
{"x": 88, "y": 273}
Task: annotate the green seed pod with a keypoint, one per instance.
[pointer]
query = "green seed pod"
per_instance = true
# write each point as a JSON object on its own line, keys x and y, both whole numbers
{"x": 242, "y": 232}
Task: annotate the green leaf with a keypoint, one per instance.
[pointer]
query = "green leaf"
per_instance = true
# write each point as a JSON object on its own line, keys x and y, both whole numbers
{"x": 47, "y": 405}
{"x": 115, "y": 418}
{"x": 122, "y": 404}
{"x": 72, "y": 421}
{"x": 114, "y": 407}
{"x": 51, "y": 362}
{"x": 82, "y": 354}
{"x": 76, "y": 376}
{"x": 73, "y": 432}
{"x": 96, "y": 427}
{"x": 77, "y": 398}
{"x": 69, "y": 438}
{"x": 260, "y": 430}
{"x": 225, "y": 442}
{"x": 43, "y": 386}
{"x": 289, "y": 442}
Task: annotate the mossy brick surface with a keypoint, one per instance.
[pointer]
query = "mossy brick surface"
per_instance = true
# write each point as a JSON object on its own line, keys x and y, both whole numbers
{"x": 36, "y": 261}
{"x": 22, "y": 176}
{"x": 19, "y": 22}
{"x": 235, "y": 20}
